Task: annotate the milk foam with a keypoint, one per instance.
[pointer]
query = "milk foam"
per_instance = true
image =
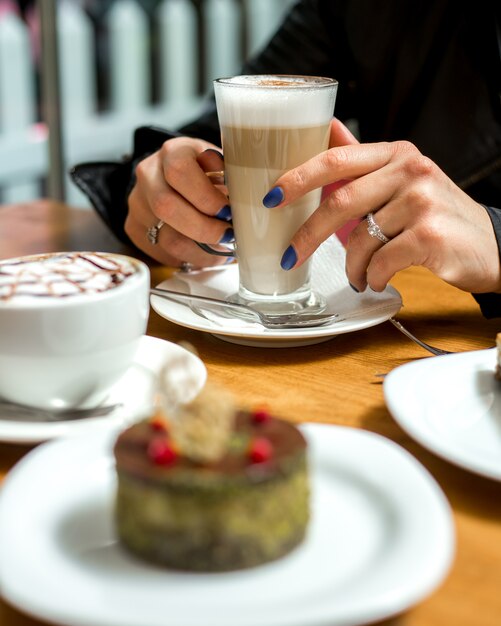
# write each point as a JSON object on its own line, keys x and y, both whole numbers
{"x": 274, "y": 101}
{"x": 62, "y": 274}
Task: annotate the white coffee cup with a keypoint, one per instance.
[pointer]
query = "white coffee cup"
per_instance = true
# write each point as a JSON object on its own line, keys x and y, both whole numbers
{"x": 67, "y": 335}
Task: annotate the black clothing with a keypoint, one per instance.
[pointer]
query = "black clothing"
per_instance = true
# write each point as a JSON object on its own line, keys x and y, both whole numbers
{"x": 425, "y": 71}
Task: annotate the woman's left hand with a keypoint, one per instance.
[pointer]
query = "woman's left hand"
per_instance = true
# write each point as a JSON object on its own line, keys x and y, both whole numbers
{"x": 427, "y": 218}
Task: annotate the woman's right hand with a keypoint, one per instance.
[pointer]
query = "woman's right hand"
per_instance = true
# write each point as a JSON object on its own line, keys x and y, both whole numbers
{"x": 426, "y": 218}
{"x": 172, "y": 186}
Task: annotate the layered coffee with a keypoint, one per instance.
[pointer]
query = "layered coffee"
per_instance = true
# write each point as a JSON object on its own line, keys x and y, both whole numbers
{"x": 62, "y": 274}
{"x": 254, "y": 159}
{"x": 270, "y": 124}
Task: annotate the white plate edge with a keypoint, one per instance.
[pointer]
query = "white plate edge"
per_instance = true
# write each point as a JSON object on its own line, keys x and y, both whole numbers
{"x": 32, "y": 433}
{"x": 391, "y": 606}
{"x": 424, "y": 435}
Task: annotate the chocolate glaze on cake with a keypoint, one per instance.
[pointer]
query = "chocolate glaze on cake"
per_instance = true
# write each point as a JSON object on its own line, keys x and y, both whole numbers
{"x": 131, "y": 452}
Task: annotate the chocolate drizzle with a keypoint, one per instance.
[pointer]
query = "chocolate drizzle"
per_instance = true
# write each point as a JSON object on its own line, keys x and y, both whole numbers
{"x": 62, "y": 275}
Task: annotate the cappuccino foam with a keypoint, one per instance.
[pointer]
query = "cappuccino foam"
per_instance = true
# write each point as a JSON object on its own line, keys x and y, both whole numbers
{"x": 62, "y": 275}
{"x": 274, "y": 101}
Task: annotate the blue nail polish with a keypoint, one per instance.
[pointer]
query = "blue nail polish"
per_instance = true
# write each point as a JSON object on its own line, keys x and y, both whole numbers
{"x": 224, "y": 214}
{"x": 228, "y": 236}
{"x": 289, "y": 259}
{"x": 354, "y": 288}
{"x": 273, "y": 198}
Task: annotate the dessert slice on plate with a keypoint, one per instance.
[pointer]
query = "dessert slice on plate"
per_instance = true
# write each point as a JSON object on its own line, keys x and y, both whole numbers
{"x": 205, "y": 486}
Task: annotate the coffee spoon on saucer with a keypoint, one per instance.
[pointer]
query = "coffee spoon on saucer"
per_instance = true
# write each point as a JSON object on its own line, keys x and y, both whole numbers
{"x": 18, "y": 411}
{"x": 268, "y": 320}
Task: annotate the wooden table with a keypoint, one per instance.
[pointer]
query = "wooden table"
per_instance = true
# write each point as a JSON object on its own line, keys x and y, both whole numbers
{"x": 331, "y": 382}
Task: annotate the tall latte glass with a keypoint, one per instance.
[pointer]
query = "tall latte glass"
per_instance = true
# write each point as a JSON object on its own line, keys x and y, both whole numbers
{"x": 270, "y": 124}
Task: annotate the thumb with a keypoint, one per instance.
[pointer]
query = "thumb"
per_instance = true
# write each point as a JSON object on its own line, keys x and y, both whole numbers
{"x": 340, "y": 135}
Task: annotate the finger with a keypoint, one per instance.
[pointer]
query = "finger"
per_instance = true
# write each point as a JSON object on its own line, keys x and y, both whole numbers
{"x": 396, "y": 255}
{"x": 340, "y": 135}
{"x": 353, "y": 200}
{"x": 183, "y": 173}
{"x": 361, "y": 246}
{"x": 212, "y": 163}
{"x": 171, "y": 248}
{"x": 342, "y": 162}
{"x": 152, "y": 199}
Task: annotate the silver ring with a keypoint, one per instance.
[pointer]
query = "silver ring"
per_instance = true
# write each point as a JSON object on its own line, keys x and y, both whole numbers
{"x": 186, "y": 267}
{"x": 374, "y": 230}
{"x": 153, "y": 231}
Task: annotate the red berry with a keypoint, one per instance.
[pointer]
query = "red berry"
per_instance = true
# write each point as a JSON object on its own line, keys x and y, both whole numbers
{"x": 261, "y": 415}
{"x": 158, "y": 424}
{"x": 260, "y": 450}
{"x": 161, "y": 451}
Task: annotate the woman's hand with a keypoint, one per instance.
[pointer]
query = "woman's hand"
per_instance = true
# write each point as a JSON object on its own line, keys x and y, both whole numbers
{"x": 429, "y": 220}
{"x": 172, "y": 186}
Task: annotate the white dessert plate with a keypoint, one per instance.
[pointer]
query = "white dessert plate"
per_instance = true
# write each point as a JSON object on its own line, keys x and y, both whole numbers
{"x": 381, "y": 539}
{"x": 452, "y": 406}
{"x": 356, "y": 310}
{"x": 130, "y": 393}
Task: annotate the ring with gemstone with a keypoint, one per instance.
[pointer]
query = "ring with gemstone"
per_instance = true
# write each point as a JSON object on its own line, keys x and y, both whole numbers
{"x": 374, "y": 230}
{"x": 153, "y": 232}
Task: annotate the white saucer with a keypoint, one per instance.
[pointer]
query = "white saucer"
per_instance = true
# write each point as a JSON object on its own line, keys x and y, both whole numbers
{"x": 381, "y": 539}
{"x": 131, "y": 392}
{"x": 452, "y": 406}
{"x": 356, "y": 311}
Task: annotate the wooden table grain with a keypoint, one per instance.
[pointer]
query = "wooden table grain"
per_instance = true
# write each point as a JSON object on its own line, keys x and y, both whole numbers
{"x": 333, "y": 382}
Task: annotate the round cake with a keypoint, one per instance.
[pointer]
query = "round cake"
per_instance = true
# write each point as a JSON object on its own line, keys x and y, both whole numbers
{"x": 248, "y": 506}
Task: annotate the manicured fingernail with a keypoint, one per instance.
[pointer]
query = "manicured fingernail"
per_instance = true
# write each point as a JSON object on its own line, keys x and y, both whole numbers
{"x": 228, "y": 236}
{"x": 289, "y": 259}
{"x": 224, "y": 214}
{"x": 273, "y": 198}
{"x": 219, "y": 154}
{"x": 229, "y": 260}
{"x": 354, "y": 288}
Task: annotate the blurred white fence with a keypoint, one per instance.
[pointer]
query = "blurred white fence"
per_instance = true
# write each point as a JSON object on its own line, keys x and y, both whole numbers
{"x": 91, "y": 132}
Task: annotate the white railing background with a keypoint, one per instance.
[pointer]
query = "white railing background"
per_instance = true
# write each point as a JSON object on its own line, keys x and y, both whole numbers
{"x": 92, "y": 131}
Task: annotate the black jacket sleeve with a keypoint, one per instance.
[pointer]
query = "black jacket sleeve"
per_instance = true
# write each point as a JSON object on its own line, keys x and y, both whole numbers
{"x": 108, "y": 184}
{"x": 490, "y": 303}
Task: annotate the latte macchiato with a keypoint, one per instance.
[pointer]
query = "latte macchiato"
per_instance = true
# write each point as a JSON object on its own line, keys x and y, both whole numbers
{"x": 70, "y": 325}
{"x": 270, "y": 124}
